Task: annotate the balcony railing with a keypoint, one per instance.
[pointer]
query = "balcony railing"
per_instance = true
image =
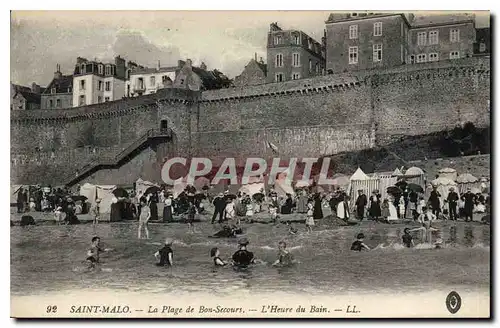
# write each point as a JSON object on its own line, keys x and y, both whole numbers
{"x": 115, "y": 159}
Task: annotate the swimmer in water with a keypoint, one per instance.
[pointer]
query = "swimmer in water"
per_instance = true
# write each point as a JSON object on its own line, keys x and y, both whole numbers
{"x": 242, "y": 257}
{"x": 284, "y": 256}
{"x": 426, "y": 219}
{"x": 358, "y": 244}
{"x": 94, "y": 251}
{"x": 165, "y": 255}
{"x": 407, "y": 239}
{"x": 144, "y": 218}
{"x": 292, "y": 230}
{"x": 214, "y": 252}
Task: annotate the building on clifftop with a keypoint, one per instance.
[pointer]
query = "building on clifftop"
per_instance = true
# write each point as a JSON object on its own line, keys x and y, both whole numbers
{"x": 25, "y": 98}
{"x": 96, "y": 82}
{"x": 292, "y": 55}
{"x": 362, "y": 40}
{"x": 145, "y": 80}
{"x": 59, "y": 92}
{"x": 199, "y": 78}
{"x": 255, "y": 73}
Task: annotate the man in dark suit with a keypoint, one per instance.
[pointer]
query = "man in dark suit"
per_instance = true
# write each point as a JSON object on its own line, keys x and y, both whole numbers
{"x": 219, "y": 204}
{"x": 452, "y": 204}
{"x": 469, "y": 200}
{"x": 361, "y": 203}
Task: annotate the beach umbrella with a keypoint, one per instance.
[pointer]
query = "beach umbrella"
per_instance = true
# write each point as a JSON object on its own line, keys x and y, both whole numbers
{"x": 401, "y": 184}
{"x": 152, "y": 190}
{"x": 231, "y": 196}
{"x": 258, "y": 197}
{"x": 77, "y": 198}
{"x": 415, "y": 187}
{"x": 393, "y": 190}
{"x": 120, "y": 192}
{"x": 466, "y": 178}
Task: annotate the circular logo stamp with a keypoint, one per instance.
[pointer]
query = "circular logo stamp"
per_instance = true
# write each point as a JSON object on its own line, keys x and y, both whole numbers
{"x": 453, "y": 302}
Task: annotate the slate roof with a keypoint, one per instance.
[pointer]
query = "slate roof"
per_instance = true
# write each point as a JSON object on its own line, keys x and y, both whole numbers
{"x": 61, "y": 85}
{"x": 30, "y": 97}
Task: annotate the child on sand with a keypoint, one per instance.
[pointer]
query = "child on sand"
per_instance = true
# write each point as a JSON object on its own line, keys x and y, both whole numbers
{"x": 358, "y": 245}
{"x": 214, "y": 252}
{"x": 59, "y": 215}
{"x": 310, "y": 218}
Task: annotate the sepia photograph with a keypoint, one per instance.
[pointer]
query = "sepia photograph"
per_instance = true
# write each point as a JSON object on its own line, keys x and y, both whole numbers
{"x": 250, "y": 164}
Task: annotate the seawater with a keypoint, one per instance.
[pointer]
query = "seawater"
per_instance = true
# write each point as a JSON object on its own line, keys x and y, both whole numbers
{"x": 49, "y": 259}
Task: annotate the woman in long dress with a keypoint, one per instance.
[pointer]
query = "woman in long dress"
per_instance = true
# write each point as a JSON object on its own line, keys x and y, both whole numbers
{"x": 153, "y": 200}
{"x": 168, "y": 209}
{"x": 318, "y": 211}
{"x": 375, "y": 211}
{"x": 302, "y": 202}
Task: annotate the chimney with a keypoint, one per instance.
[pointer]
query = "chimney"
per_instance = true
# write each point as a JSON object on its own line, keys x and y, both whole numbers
{"x": 411, "y": 18}
{"x": 255, "y": 57}
{"x": 159, "y": 65}
{"x": 57, "y": 73}
{"x": 35, "y": 88}
{"x": 189, "y": 62}
{"x": 203, "y": 66}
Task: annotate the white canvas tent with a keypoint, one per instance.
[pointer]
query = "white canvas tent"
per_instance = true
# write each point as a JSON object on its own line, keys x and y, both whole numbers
{"x": 13, "y": 193}
{"x": 252, "y": 188}
{"x": 142, "y": 185}
{"x": 103, "y": 192}
{"x": 415, "y": 175}
{"x": 361, "y": 181}
{"x": 449, "y": 173}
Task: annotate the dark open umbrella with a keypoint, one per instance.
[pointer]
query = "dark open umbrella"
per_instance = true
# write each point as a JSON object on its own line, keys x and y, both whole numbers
{"x": 200, "y": 196}
{"x": 77, "y": 198}
{"x": 402, "y": 184}
{"x": 415, "y": 187}
{"x": 230, "y": 196}
{"x": 394, "y": 191}
{"x": 258, "y": 197}
{"x": 120, "y": 192}
{"x": 152, "y": 190}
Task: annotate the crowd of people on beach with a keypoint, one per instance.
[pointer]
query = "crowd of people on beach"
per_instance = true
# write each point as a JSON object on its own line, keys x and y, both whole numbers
{"x": 230, "y": 210}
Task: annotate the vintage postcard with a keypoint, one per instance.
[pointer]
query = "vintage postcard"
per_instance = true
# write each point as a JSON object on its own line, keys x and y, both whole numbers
{"x": 264, "y": 164}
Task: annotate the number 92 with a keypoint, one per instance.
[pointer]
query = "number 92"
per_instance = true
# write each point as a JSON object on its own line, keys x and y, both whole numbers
{"x": 52, "y": 309}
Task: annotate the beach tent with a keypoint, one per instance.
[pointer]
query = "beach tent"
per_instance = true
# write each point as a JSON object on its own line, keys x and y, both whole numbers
{"x": 142, "y": 185}
{"x": 179, "y": 186}
{"x": 448, "y": 173}
{"x": 252, "y": 188}
{"x": 467, "y": 180}
{"x": 103, "y": 192}
{"x": 397, "y": 173}
{"x": 13, "y": 193}
{"x": 90, "y": 191}
{"x": 361, "y": 181}
{"x": 415, "y": 175}
{"x": 385, "y": 180}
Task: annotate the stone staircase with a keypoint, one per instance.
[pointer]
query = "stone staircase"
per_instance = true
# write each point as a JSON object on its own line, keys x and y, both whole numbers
{"x": 114, "y": 159}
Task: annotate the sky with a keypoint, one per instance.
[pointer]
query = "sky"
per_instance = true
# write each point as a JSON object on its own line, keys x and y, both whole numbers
{"x": 225, "y": 40}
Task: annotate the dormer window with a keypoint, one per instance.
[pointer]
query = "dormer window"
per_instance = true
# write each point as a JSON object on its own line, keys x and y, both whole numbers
{"x": 296, "y": 39}
{"x": 53, "y": 90}
{"x": 108, "y": 70}
{"x": 82, "y": 69}
{"x": 100, "y": 69}
{"x": 277, "y": 39}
